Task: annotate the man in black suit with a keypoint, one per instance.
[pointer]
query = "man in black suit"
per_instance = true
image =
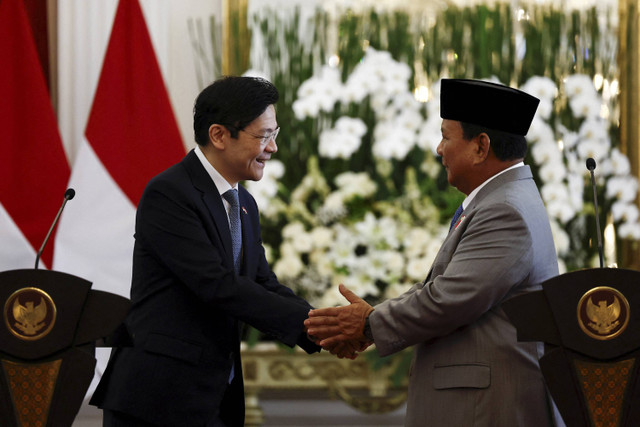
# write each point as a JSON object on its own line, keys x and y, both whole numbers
{"x": 198, "y": 272}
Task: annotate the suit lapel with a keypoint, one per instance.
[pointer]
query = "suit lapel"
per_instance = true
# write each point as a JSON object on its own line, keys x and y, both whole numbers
{"x": 212, "y": 200}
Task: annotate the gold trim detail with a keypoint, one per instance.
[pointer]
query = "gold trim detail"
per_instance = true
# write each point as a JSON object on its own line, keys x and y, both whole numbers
{"x": 29, "y": 313}
{"x": 236, "y": 37}
{"x": 269, "y": 370}
{"x": 603, "y": 313}
{"x": 629, "y": 65}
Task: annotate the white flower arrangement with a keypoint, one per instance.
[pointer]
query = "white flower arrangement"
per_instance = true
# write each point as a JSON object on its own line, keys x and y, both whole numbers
{"x": 340, "y": 230}
{"x": 561, "y": 153}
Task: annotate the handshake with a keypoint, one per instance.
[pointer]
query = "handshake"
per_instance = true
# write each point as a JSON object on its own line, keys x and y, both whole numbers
{"x": 339, "y": 330}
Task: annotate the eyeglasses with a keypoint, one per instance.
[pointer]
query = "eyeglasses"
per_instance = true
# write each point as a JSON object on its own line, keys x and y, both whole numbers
{"x": 264, "y": 139}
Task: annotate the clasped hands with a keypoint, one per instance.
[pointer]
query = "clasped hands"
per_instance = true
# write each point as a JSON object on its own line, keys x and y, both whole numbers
{"x": 339, "y": 330}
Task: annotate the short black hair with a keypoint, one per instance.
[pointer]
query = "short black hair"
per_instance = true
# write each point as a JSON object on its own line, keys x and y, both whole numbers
{"x": 506, "y": 146}
{"x": 231, "y": 101}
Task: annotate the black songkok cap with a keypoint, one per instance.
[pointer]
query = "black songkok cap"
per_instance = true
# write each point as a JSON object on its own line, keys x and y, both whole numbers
{"x": 486, "y": 104}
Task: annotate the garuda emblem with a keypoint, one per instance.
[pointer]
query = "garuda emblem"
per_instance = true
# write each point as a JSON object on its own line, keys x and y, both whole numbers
{"x": 30, "y": 313}
{"x": 603, "y": 313}
{"x": 29, "y": 319}
{"x": 604, "y": 318}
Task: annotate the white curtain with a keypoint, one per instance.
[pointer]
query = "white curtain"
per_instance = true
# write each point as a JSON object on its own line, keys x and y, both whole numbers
{"x": 83, "y": 32}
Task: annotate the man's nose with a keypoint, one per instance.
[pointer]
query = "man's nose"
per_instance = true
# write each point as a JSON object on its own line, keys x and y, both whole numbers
{"x": 271, "y": 147}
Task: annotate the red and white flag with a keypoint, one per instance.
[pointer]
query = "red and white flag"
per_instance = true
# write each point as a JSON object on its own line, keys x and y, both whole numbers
{"x": 33, "y": 166}
{"x": 131, "y": 135}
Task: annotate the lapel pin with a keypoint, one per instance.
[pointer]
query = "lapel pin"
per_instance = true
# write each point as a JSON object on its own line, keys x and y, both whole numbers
{"x": 459, "y": 221}
{"x": 244, "y": 210}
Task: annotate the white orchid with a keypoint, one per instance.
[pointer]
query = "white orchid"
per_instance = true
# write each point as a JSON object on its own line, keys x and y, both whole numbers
{"x": 585, "y": 105}
{"x": 352, "y": 126}
{"x": 540, "y": 132}
{"x": 336, "y": 144}
{"x": 624, "y": 211}
{"x": 579, "y": 84}
{"x": 305, "y": 107}
{"x": 429, "y": 134}
{"x": 352, "y": 184}
{"x": 622, "y": 188}
{"x": 288, "y": 266}
{"x": 546, "y": 151}
{"x": 552, "y": 171}
{"x": 619, "y": 163}
{"x": 591, "y": 148}
{"x": 629, "y": 230}
{"x": 545, "y": 90}
{"x": 542, "y": 88}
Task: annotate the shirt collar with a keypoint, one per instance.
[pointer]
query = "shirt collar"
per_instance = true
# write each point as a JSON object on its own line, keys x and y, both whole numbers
{"x": 221, "y": 184}
{"x": 475, "y": 191}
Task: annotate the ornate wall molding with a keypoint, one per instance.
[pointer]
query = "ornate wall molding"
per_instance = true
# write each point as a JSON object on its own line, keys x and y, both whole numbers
{"x": 266, "y": 367}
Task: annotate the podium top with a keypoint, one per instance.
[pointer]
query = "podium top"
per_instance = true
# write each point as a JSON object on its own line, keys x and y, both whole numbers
{"x": 595, "y": 312}
{"x": 45, "y": 312}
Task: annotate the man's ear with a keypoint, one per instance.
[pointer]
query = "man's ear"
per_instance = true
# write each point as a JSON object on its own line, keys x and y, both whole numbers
{"x": 217, "y": 136}
{"x": 483, "y": 145}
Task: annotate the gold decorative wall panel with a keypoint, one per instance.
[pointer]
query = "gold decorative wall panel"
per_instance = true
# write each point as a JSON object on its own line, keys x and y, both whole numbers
{"x": 628, "y": 59}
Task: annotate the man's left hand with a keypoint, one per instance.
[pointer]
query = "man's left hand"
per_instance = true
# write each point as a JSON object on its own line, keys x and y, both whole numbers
{"x": 335, "y": 325}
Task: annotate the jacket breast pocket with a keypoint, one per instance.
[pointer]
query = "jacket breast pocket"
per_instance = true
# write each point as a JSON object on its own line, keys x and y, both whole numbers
{"x": 461, "y": 376}
{"x": 173, "y": 347}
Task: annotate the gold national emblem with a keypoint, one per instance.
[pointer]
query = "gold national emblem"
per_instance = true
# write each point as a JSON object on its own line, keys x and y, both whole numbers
{"x": 29, "y": 313}
{"x": 603, "y": 313}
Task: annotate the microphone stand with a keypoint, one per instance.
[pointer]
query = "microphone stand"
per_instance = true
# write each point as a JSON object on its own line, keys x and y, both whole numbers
{"x": 68, "y": 195}
{"x": 591, "y": 165}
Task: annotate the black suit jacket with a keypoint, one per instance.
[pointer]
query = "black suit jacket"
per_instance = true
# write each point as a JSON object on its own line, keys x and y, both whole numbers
{"x": 187, "y": 302}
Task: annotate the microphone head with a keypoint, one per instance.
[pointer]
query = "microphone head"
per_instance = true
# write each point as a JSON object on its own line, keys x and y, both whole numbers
{"x": 69, "y": 194}
{"x": 591, "y": 164}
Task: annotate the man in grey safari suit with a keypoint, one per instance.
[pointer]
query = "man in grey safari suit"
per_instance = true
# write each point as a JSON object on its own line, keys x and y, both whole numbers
{"x": 468, "y": 367}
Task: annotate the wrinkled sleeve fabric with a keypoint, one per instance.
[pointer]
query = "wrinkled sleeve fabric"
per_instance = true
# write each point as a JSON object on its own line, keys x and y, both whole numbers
{"x": 476, "y": 267}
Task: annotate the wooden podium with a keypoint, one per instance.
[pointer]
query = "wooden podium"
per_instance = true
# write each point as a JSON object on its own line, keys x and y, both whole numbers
{"x": 51, "y": 322}
{"x": 589, "y": 321}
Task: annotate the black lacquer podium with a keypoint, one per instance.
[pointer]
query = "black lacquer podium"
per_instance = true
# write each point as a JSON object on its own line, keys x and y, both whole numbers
{"x": 51, "y": 322}
{"x": 589, "y": 321}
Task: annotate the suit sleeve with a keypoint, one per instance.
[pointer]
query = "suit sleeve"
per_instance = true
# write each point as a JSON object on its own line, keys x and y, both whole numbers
{"x": 267, "y": 278}
{"x": 170, "y": 224}
{"x": 492, "y": 256}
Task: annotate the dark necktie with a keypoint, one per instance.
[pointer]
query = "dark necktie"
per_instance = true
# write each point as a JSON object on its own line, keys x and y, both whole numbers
{"x": 231, "y": 196}
{"x": 456, "y": 216}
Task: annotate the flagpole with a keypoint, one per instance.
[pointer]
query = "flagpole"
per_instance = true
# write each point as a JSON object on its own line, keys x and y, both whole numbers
{"x": 52, "y": 38}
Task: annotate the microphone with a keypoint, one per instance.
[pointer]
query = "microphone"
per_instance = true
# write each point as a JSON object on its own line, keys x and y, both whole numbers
{"x": 591, "y": 165}
{"x": 68, "y": 195}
